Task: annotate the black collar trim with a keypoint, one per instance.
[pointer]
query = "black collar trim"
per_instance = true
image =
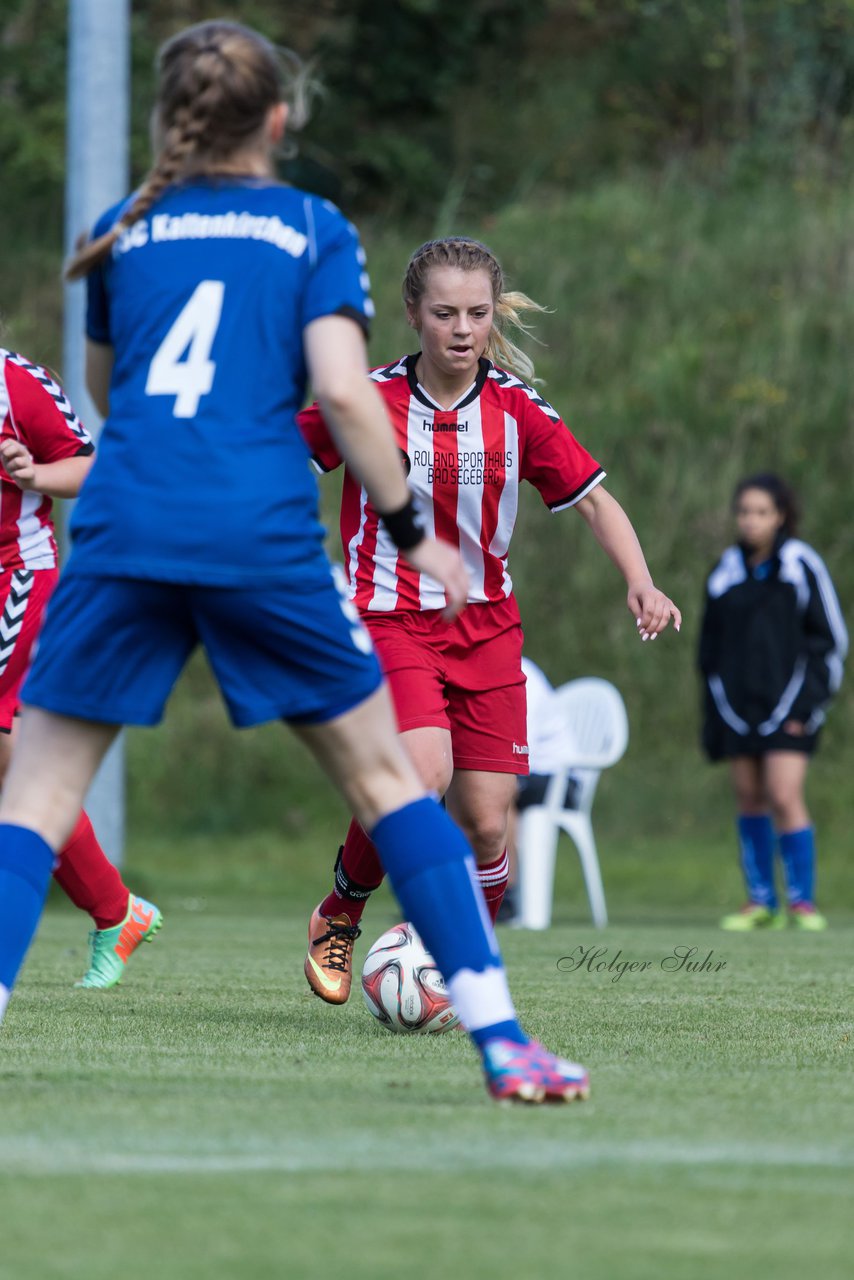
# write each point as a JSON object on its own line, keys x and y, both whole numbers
{"x": 470, "y": 396}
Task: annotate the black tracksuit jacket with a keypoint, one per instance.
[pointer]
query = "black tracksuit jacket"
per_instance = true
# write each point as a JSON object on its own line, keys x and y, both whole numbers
{"x": 772, "y": 646}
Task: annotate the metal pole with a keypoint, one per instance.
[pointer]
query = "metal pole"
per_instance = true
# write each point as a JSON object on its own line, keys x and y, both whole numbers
{"x": 96, "y": 177}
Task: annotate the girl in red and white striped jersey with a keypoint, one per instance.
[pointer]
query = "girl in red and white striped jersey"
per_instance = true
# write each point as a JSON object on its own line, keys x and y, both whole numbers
{"x": 470, "y": 427}
{"x": 46, "y": 453}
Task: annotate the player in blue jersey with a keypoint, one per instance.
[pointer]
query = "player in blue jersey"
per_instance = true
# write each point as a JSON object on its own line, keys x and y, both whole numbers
{"x": 772, "y": 646}
{"x": 214, "y": 294}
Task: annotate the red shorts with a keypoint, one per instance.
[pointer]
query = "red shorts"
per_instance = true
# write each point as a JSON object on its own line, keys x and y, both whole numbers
{"x": 464, "y": 676}
{"x": 24, "y": 593}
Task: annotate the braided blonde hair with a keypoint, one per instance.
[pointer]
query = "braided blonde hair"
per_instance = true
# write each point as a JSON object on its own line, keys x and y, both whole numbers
{"x": 509, "y": 306}
{"x": 216, "y": 83}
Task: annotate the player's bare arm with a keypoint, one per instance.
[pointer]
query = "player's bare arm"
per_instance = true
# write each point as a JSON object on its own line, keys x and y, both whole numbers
{"x": 99, "y": 369}
{"x": 612, "y": 529}
{"x": 353, "y": 409}
{"x": 61, "y": 479}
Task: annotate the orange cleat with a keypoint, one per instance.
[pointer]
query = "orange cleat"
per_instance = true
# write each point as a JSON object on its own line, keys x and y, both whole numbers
{"x": 329, "y": 962}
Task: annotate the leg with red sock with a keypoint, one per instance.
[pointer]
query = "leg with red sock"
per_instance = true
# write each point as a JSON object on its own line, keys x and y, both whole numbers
{"x": 86, "y": 875}
{"x": 334, "y": 925}
{"x": 480, "y": 800}
{"x": 357, "y": 874}
{"x": 492, "y": 878}
{"x": 122, "y": 920}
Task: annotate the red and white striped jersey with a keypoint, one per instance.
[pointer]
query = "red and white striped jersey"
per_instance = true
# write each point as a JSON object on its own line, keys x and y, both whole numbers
{"x": 464, "y": 466}
{"x": 33, "y": 409}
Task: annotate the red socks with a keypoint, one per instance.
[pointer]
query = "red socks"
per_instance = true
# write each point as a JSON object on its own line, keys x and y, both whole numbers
{"x": 358, "y": 872}
{"x": 91, "y": 881}
{"x": 492, "y": 878}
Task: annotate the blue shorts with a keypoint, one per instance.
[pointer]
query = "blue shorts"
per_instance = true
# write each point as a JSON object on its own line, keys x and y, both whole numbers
{"x": 112, "y": 649}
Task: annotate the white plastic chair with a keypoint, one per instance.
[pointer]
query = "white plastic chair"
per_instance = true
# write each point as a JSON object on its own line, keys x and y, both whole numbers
{"x": 597, "y": 734}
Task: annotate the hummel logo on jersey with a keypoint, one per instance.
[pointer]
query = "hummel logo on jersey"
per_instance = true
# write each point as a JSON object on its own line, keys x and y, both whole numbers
{"x": 519, "y": 751}
{"x": 429, "y": 425}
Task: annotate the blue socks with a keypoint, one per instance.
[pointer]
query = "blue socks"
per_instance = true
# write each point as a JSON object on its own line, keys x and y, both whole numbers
{"x": 425, "y": 856}
{"x": 797, "y": 849}
{"x": 431, "y": 868}
{"x": 756, "y": 842}
{"x": 26, "y": 865}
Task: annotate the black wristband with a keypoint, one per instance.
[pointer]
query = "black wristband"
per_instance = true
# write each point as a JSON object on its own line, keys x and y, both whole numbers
{"x": 405, "y": 526}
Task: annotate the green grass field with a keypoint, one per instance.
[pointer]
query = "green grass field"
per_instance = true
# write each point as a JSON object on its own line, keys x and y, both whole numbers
{"x": 211, "y": 1118}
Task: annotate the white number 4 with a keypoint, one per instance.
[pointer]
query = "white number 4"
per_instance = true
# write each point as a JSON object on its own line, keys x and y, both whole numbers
{"x": 191, "y": 336}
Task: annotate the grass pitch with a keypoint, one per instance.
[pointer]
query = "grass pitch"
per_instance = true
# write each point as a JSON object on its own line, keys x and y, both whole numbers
{"x": 210, "y": 1118}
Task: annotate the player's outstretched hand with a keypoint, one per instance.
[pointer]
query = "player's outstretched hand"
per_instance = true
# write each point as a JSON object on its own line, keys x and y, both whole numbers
{"x": 652, "y": 610}
{"x": 18, "y": 463}
{"x": 442, "y": 562}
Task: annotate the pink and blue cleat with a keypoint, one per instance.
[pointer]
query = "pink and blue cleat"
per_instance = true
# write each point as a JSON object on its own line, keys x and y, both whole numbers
{"x": 529, "y": 1073}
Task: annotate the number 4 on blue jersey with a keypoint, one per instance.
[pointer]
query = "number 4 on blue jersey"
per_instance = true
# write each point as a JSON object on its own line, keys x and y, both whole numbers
{"x": 181, "y": 366}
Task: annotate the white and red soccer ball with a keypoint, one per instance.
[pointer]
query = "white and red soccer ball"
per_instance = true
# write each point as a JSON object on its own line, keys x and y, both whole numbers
{"x": 402, "y": 987}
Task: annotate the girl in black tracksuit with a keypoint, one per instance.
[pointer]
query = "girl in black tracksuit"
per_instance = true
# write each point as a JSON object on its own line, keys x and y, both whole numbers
{"x": 772, "y": 645}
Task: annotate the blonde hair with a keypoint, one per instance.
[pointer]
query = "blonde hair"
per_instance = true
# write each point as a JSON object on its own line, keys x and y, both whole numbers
{"x": 216, "y": 83}
{"x": 509, "y": 306}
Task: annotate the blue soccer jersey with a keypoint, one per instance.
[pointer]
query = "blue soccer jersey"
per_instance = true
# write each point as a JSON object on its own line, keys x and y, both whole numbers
{"x": 202, "y": 474}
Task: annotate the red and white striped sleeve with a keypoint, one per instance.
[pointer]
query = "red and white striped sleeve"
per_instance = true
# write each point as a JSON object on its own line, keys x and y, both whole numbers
{"x": 554, "y": 462}
{"x": 321, "y": 446}
{"x": 40, "y": 414}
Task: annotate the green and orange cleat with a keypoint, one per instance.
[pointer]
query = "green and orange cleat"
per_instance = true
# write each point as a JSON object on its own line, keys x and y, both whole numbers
{"x": 112, "y": 948}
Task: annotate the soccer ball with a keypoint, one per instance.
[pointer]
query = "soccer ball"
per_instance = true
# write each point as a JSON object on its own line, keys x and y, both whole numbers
{"x": 402, "y": 987}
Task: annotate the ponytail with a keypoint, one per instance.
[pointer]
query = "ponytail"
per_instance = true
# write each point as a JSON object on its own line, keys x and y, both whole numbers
{"x": 216, "y": 83}
{"x": 178, "y": 147}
